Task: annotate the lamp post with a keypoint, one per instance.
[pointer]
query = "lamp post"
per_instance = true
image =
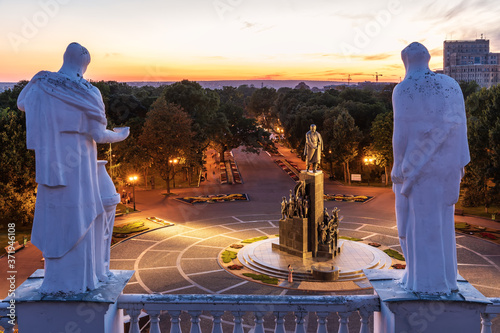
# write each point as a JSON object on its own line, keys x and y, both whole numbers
{"x": 133, "y": 180}
{"x": 173, "y": 162}
{"x": 368, "y": 161}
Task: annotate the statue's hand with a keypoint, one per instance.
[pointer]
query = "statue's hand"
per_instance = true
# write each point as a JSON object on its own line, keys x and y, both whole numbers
{"x": 122, "y": 131}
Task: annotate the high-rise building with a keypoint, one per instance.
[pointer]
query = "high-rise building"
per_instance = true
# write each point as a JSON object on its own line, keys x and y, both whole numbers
{"x": 471, "y": 60}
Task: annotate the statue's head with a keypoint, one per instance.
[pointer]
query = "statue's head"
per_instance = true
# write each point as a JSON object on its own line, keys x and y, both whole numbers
{"x": 415, "y": 54}
{"x": 77, "y": 57}
{"x": 313, "y": 128}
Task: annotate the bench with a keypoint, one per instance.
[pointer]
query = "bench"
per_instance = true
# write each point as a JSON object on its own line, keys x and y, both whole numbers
{"x": 16, "y": 246}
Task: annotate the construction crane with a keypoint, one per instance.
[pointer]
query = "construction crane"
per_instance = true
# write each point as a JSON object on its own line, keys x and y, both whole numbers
{"x": 376, "y": 76}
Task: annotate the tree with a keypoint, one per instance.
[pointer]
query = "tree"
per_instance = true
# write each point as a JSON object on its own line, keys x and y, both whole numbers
{"x": 236, "y": 130}
{"x": 469, "y": 88}
{"x": 482, "y": 176}
{"x": 381, "y": 132}
{"x": 260, "y": 106}
{"x": 302, "y": 85}
{"x": 17, "y": 170}
{"x": 201, "y": 105}
{"x": 167, "y": 135}
{"x": 341, "y": 139}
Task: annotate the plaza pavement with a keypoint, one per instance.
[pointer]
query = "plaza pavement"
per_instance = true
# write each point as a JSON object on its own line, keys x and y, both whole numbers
{"x": 183, "y": 258}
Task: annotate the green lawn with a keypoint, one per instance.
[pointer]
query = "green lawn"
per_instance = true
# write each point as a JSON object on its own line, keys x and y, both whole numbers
{"x": 479, "y": 211}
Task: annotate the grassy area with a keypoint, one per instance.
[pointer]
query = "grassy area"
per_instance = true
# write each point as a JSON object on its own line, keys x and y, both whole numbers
{"x": 228, "y": 256}
{"x": 253, "y": 240}
{"x": 262, "y": 277}
{"x": 479, "y": 211}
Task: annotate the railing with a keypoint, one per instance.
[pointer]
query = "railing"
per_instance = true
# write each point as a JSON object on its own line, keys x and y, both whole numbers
{"x": 259, "y": 313}
{"x": 492, "y": 310}
{"x": 242, "y": 313}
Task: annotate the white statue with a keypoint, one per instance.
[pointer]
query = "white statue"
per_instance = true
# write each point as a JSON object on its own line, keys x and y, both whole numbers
{"x": 430, "y": 152}
{"x": 64, "y": 119}
{"x": 105, "y": 222}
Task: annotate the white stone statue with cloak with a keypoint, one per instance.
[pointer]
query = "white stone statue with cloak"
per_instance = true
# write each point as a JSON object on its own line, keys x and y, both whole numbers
{"x": 65, "y": 118}
{"x": 430, "y": 152}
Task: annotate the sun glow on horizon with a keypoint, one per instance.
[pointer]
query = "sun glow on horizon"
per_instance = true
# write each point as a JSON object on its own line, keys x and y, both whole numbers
{"x": 236, "y": 40}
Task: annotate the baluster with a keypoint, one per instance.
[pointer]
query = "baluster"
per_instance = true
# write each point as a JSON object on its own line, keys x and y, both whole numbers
{"x": 322, "y": 322}
{"x": 259, "y": 322}
{"x": 343, "y": 321}
{"x": 280, "y": 322}
{"x": 300, "y": 319}
{"x": 238, "y": 326}
{"x": 365, "y": 317}
{"x": 155, "y": 321}
{"x": 486, "y": 322}
{"x": 217, "y": 326}
{"x": 175, "y": 326}
{"x": 195, "y": 321}
{"x": 134, "y": 320}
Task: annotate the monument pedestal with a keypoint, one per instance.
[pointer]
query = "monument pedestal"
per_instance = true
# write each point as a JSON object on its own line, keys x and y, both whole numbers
{"x": 94, "y": 311}
{"x": 315, "y": 189}
{"x": 293, "y": 237}
{"x": 405, "y": 311}
{"x": 299, "y": 236}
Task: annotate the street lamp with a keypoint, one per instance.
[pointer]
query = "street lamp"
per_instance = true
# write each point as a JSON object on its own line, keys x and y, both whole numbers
{"x": 173, "y": 162}
{"x": 369, "y": 161}
{"x": 133, "y": 179}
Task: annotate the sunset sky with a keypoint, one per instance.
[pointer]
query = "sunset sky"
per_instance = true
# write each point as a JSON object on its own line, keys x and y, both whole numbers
{"x": 152, "y": 40}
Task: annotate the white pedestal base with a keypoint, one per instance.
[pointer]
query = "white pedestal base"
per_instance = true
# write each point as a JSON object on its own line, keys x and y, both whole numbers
{"x": 405, "y": 311}
{"x": 94, "y": 311}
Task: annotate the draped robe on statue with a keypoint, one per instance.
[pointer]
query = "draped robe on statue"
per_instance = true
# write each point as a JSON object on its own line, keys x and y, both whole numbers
{"x": 62, "y": 116}
{"x": 430, "y": 152}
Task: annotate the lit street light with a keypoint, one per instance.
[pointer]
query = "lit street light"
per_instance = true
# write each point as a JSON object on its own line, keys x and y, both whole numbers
{"x": 133, "y": 179}
{"x": 369, "y": 161}
{"x": 173, "y": 162}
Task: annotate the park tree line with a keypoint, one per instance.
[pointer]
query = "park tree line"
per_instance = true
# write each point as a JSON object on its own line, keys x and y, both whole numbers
{"x": 180, "y": 121}
{"x": 354, "y": 123}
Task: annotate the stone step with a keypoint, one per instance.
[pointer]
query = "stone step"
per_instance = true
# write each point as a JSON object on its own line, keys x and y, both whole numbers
{"x": 253, "y": 262}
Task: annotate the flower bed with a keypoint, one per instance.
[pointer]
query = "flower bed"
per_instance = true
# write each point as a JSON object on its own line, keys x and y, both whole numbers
{"x": 223, "y": 174}
{"x": 287, "y": 170}
{"x": 236, "y": 173}
{"x": 214, "y": 198}
{"x": 347, "y": 197}
{"x": 293, "y": 165}
{"x": 159, "y": 221}
{"x": 485, "y": 233}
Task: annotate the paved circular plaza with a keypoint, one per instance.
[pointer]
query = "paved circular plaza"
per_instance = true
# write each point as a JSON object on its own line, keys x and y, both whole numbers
{"x": 184, "y": 258}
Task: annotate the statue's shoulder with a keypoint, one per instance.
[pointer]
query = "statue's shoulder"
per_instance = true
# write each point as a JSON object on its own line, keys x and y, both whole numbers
{"x": 42, "y": 76}
{"x": 447, "y": 81}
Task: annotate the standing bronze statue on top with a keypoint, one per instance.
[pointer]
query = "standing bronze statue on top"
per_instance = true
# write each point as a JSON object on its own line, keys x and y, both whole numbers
{"x": 313, "y": 148}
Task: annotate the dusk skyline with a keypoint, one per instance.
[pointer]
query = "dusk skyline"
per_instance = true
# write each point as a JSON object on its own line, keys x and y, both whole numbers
{"x": 236, "y": 39}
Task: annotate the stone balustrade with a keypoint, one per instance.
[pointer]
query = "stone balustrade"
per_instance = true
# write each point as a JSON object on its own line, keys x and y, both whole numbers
{"x": 492, "y": 311}
{"x": 265, "y": 312}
